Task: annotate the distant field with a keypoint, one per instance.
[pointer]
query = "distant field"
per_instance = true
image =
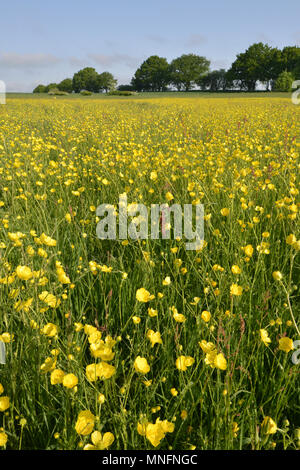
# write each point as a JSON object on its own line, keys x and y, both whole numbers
{"x": 194, "y": 94}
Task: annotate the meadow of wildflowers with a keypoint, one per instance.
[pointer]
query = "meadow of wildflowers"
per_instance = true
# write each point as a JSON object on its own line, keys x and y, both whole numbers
{"x": 142, "y": 344}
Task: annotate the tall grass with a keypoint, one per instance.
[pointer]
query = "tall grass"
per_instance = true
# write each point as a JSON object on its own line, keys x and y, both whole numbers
{"x": 58, "y": 161}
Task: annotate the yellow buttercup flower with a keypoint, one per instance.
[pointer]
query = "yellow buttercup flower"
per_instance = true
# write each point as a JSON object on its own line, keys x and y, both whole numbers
{"x": 68, "y": 218}
{"x": 236, "y": 269}
{"x": 70, "y": 381}
{"x": 142, "y": 295}
{"x": 206, "y": 316}
{"x": 49, "y": 299}
{"x": 100, "y": 441}
{"x": 91, "y": 372}
{"x": 166, "y": 281}
{"x": 4, "y": 403}
{"x": 169, "y": 196}
{"x": 24, "y": 273}
{"x": 6, "y": 337}
{"x": 206, "y": 347}
{"x": 220, "y": 362}
{"x": 101, "y": 398}
{"x": 85, "y": 423}
{"x": 183, "y": 362}
{"x": 102, "y": 371}
{"x": 153, "y": 175}
{"x": 50, "y": 330}
{"x": 277, "y": 275}
{"x": 235, "y": 428}
{"x": 152, "y": 312}
{"x": 154, "y": 337}
{"x": 46, "y": 240}
{"x": 3, "y": 439}
{"x": 268, "y": 426}
{"x": 155, "y": 432}
{"x": 248, "y": 249}
{"x": 264, "y": 337}
{"x": 179, "y": 317}
{"x": 141, "y": 365}
{"x": 62, "y": 277}
{"x": 184, "y": 414}
{"x": 286, "y": 344}
{"x": 105, "y": 371}
{"x": 48, "y": 364}
{"x": 57, "y": 376}
{"x": 291, "y": 239}
{"x": 213, "y": 359}
{"x": 225, "y": 211}
{"x": 236, "y": 290}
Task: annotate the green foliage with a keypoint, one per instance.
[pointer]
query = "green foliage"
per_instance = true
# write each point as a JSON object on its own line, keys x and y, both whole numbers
{"x": 121, "y": 93}
{"x": 284, "y": 81}
{"x": 51, "y": 86}
{"x": 56, "y": 91}
{"x": 40, "y": 89}
{"x": 66, "y": 85}
{"x": 247, "y": 68}
{"x": 215, "y": 80}
{"x": 125, "y": 88}
{"x": 188, "y": 70}
{"x": 106, "y": 81}
{"x": 86, "y": 79}
{"x": 260, "y": 62}
{"x": 152, "y": 75}
{"x": 86, "y": 93}
{"x": 291, "y": 60}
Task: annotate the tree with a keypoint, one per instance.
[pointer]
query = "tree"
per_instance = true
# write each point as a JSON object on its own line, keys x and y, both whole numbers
{"x": 40, "y": 89}
{"x": 86, "y": 79}
{"x": 214, "y": 81}
{"x": 66, "y": 85}
{"x": 290, "y": 59}
{"x": 187, "y": 70}
{"x": 284, "y": 81}
{"x": 106, "y": 82}
{"x": 257, "y": 63}
{"x": 296, "y": 71}
{"x": 50, "y": 87}
{"x": 125, "y": 88}
{"x": 152, "y": 75}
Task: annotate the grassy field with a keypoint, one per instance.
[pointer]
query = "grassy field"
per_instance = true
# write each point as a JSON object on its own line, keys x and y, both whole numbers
{"x": 144, "y": 344}
{"x": 154, "y": 95}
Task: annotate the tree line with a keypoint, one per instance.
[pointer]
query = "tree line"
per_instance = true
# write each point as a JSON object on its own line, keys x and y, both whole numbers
{"x": 274, "y": 68}
{"x": 87, "y": 79}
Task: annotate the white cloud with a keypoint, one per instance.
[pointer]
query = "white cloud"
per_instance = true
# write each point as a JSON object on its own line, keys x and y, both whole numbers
{"x": 156, "y": 38}
{"x": 108, "y": 60}
{"x": 195, "y": 40}
{"x": 21, "y": 87}
{"x": 13, "y": 60}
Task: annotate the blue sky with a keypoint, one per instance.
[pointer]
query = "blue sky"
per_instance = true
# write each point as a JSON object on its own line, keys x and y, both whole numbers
{"x": 45, "y": 42}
